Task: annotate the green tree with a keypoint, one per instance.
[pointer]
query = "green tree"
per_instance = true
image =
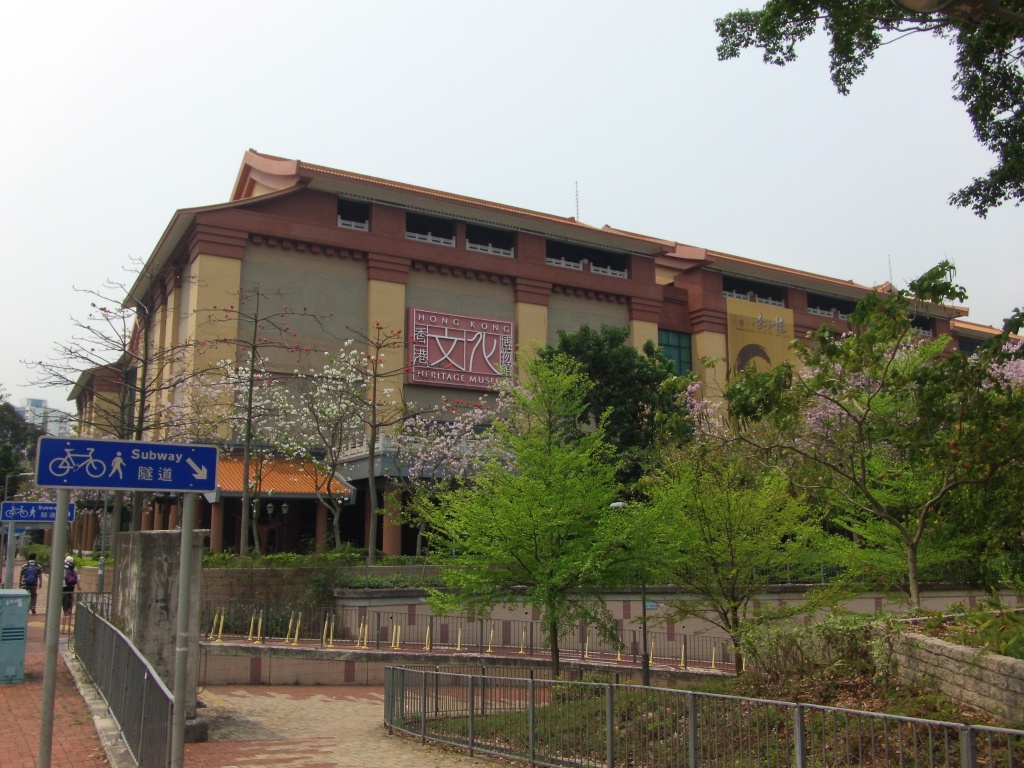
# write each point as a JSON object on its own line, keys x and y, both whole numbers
{"x": 989, "y": 79}
{"x": 727, "y": 528}
{"x": 885, "y": 421}
{"x": 633, "y": 386}
{"x": 17, "y": 446}
{"x": 542, "y": 533}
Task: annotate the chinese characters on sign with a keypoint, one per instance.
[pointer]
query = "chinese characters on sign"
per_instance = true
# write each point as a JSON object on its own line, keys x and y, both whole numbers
{"x": 460, "y": 351}
{"x": 32, "y": 512}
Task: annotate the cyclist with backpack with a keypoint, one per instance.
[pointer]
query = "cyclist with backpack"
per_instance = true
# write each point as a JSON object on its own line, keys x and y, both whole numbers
{"x": 31, "y": 580}
{"x": 70, "y": 582}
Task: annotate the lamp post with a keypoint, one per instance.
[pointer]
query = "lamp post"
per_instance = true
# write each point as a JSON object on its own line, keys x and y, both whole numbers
{"x": 969, "y": 10}
{"x": 645, "y": 656}
{"x": 9, "y": 569}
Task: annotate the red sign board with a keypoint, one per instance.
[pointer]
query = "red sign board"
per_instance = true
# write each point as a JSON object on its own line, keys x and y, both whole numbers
{"x": 460, "y": 351}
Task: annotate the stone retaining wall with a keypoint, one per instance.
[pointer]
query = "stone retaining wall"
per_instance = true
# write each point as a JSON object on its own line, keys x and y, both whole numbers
{"x": 989, "y": 682}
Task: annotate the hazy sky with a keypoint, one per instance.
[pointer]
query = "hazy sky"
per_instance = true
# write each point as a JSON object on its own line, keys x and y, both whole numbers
{"x": 117, "y": 114}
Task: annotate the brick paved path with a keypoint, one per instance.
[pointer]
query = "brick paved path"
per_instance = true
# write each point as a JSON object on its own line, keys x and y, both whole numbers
{"x": 285, "y": 727}
{"x": 75, "y": 740}
{"x": 308, "y": 727}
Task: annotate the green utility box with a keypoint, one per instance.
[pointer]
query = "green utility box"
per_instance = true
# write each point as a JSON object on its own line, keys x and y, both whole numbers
{"x": 13, "y": 635}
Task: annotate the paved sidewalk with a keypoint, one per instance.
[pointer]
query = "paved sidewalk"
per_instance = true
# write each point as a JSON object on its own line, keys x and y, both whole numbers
{"x": 75, "y": 739}
{"x": 285, "y": 727}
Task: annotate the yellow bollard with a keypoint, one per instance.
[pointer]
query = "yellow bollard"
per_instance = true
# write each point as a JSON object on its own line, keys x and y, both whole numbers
{"x": 682, "y": 655}
{"x": 651, "y": 657}
{"x": 398, "y": 642}
{"x": 288, "y": 634}
{"x": 586, "y": 648}
{"x": 331, "y": 644}
{"x": 213, "y": 626}
{"x": 323, "y": 635}
{"x": 298, "y": 624}
{"x": 259, "y": 629}
{"x": 713, "y": 649}
{"x": 252, "y": 625}
{"x": 220, "y": 628}
{"x": 618, "y": 654}
{"x": 490, "y": 640}
{"x": 522, "y": 642}
{"x": 426, "y": 643}
{"x": 458, "y": 641}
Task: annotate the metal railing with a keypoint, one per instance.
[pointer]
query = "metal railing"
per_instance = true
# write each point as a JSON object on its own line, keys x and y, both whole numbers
{"x": 378, "y": 629}
{"x": 137, "y": 698}
{"x": 557, "y": 723}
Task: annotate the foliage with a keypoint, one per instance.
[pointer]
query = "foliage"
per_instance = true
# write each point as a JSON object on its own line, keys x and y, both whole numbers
{"x": 726, "y": 528}
{"x": 631, "y": 386}
{"x": 440, "y": 449}
{"x": 989, "y": 78}
{"x": 544, "y": 532}
{"x": 991, "y": 626}
{"x": 17, "y": 447}
{"x": 260, "y": 335}
{"x": 883, "y": 425}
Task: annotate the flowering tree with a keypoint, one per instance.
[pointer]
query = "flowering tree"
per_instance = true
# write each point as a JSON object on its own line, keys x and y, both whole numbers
{"x": 888, "y": 425}
{"x": 442, "y": 448}
{"x": 264, "y": 338}
{"x": 543, "y": 533}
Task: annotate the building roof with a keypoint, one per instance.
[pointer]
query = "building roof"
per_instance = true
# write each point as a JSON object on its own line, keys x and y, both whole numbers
{"x": 281, "y": 477}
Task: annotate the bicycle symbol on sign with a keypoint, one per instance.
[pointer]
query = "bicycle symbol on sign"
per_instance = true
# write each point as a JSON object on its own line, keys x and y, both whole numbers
{"x": 71, "y": 462}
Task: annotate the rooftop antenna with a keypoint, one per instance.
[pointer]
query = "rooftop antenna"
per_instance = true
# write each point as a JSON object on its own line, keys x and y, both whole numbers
{"x": 577, "y": 201}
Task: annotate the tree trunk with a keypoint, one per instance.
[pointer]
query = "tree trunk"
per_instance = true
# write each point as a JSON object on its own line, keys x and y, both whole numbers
{"x": 912, "y": 578}
{"x": 556, "y": 665}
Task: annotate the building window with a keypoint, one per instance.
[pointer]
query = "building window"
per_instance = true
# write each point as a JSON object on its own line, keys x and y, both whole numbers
{"x": 968, "y": 346}
{"x": 827, "y": 306}
{"x": 353, "y": 215}
{"x": 751, "y": 290}
{"x": 496, "y": 242}
{"x": 428, "y": 229}
{"x": 584, "y": 259}
{"x": 921, "y": 326}
{"x": 676, "y": 347}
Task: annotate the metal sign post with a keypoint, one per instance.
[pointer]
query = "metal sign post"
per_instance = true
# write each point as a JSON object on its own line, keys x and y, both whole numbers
{"x": 53, "y": 608}
{"x": 119, "y": 465}
{"x": 25, "y": 512}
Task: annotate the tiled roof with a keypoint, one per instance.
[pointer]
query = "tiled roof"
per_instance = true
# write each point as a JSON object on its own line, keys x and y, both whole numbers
{"x": 280, "y": 477}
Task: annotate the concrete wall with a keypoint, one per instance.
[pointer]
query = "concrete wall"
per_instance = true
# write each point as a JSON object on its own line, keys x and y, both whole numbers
{"x": 145, "y": 597}
{"x": 985, "y": 681}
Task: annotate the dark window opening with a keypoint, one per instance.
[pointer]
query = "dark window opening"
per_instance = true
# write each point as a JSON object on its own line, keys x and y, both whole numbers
{"x": 921, "y": 326}
{"x": 353, "y": 214}
{"x": 429, "y": 229}
{"x": 486, "y": 240}
{"x": 827, "y": 306}
{"x": 677, "y": 347}
{"x": 969, "y": 346}
{"x": 751, "y": 290}
{"x": 580, "y": 257}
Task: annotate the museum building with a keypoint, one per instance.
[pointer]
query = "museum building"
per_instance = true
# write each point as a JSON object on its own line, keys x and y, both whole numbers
{"x": 470, "y": 282}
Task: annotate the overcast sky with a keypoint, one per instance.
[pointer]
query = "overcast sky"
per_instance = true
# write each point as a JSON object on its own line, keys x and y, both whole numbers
{"x": 117, "y": 114}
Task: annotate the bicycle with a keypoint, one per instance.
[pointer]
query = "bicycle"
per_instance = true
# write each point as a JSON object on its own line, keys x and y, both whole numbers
{"x": 70, "y": 461}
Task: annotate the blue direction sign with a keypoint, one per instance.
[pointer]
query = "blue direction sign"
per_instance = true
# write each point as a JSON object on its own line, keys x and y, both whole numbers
{"x": 32, "y": 511}
{"x": 125, "y": 465}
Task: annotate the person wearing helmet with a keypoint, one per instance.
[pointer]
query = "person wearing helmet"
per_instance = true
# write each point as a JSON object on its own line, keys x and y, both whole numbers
{"x": 70, "y": 582}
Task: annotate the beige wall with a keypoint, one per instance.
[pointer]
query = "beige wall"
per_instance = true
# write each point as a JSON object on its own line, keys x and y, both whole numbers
{"x": 566, "y": 313}
{"x": 709, "y": 344}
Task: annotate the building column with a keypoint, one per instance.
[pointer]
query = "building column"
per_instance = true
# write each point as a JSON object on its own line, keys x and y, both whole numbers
{"x": 159, "y": 517}
{"x": 147, "y": 515}
{"x": 532, "y": 297}
{"x": 217, "y": 526}
{"x": 321, "y": 527}
{"x": 392, "y": 535}
{"x": 91, "y": 526}
{"x": 172, "y": 521}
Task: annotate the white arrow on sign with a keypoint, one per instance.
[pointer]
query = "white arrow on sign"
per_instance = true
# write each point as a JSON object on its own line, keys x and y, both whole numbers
{"x": 199, "y": 473}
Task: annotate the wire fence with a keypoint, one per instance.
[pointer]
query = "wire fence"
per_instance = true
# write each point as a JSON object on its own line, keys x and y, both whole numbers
{"x": 370, "y": 628}
{"x": 558, "y": 723}
{"x": 135, "y": 695}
